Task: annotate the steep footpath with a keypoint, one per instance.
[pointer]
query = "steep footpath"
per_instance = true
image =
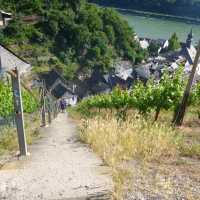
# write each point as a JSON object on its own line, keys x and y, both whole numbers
{"x": 59, "y": 167}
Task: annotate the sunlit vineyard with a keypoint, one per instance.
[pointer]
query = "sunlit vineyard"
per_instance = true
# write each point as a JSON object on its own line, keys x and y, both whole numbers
{"x": 152, "y": 97}
{"x": 6, "y": 101}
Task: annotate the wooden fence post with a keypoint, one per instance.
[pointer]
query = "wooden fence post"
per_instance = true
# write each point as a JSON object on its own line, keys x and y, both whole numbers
{"x": 182, "y": 108}
{"x": 43, "y": 107}
{"x": 19, "y": 116}
{"x": 54, "y": 110}
{"x": 49, "y": 110}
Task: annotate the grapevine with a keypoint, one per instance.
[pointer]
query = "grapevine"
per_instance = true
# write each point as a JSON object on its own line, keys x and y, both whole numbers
{"x": 163, "y": 95}
{"x": 6, "y": 101}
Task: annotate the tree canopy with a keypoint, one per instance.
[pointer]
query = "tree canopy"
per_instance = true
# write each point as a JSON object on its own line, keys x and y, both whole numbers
{"x": 72, "y": 35}
{"x": 174, "y": 43}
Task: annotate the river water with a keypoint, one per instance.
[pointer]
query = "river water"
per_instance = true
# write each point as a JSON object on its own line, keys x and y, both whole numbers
{"x": 151, "y": 27}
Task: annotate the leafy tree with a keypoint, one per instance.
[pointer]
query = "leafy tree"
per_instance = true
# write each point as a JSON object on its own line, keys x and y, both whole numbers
{"x": 153, "y": 48}
{"x": 95, "y": 35}
{"x": 167, "y": 93}
{"x": 174, "y": 43}
{"x": 6, "y": 101}
{"x": 141, "y": 98}
{"x": 110, "y": 34}
{"x": 152, "y": 96}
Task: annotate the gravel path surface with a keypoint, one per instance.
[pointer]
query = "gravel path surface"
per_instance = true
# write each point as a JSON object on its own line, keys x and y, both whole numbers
{"x": 59, "y": 168}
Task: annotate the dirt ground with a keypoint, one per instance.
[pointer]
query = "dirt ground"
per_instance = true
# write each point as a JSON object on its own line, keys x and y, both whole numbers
{"x": 169, "y": 180}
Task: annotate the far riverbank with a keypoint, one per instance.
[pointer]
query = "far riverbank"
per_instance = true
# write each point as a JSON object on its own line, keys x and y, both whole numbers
{"x": 157, "y": 15}
{"x": 160, "y": 15}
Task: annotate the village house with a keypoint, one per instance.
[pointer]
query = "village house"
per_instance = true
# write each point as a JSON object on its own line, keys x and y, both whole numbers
{"x": 58, "y": 87}
{"x": 172, "y": 59}
{"x": 5, "y": 17}
{"x": 189, "y": 52}
{"x": 161, "y": 43}
{"x": 124, "y": 74}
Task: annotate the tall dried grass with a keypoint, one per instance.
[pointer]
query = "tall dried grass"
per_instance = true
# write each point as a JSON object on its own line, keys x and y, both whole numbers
{"x": 8, "y": 136}
{"x": 134, "y": 138}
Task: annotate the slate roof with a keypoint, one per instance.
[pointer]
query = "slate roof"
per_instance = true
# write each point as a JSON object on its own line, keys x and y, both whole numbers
{"x": 142, "y": 73}
{"x": 60, "y": 89}
{"x": 50, "y": 78}
{"x": 125, "y": 74}
{"x": 189, "y": 53}
{"x": 9, "y": 60}
{"x": 5, "y": 14}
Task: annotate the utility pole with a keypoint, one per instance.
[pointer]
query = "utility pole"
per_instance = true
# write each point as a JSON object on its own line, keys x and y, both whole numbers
{"x": 182, "y": 108}
{"x": 19, "y": 116}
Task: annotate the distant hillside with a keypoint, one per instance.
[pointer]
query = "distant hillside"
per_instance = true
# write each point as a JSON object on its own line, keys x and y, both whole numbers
{"x": 72, "y": 35}
{"x": 187, "y": 8}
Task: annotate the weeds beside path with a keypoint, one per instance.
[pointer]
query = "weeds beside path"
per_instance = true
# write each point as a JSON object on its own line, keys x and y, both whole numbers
{"x": 59, "y": 167}
{"x": 149, "y": 160}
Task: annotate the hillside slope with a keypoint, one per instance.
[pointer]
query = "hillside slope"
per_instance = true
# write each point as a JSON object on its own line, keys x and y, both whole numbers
{"x": 71, "y": 36}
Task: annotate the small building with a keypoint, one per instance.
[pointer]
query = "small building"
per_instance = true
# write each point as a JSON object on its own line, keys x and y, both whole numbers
{"x": 142, "y": 73}
{"x": 9, "y": 60}
{"x": 144, "y": 44}
{"x": 189, "y": 52}
{"x": 57, "y": 85}
{"x": 5, "y": 17}
{"x": 164, "y": 47}
{"x": 162, "y": 44}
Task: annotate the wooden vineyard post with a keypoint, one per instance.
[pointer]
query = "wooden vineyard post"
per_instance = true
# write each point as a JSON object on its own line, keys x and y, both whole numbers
{"x": 49, "y": 116}
{"x": 54, "y": 110}
{"x": 43, "y": 107}
{"x": 178, "y": 120}
{"x": 49, "y": 110}
{"x": 19, "y": 116}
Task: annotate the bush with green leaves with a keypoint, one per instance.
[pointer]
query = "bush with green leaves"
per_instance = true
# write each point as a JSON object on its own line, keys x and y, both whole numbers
{"x": 30, "y": 105}
{"x": 6, "y": 100}
{"x": 174, "y": 43}
{"x": 168, "y": 92}
{"x": 152, "y": 96}
{"x": 153, "y": 48}
{"x": 195, "y": 98}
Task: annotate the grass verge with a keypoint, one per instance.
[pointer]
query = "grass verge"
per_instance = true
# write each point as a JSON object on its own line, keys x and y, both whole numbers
{"x": 155, "y": 145}
{"x": 8, "y": 136}
{"x": 135, "y": 138}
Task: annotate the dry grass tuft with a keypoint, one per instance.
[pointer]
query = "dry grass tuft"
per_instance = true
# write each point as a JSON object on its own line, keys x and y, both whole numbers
{"x": 8, "y": 140}
{"x": 8, "y": 136}
{"x": 133, "y": 138}
{"x": 190, "y": 150}
{"x": 136, "y": 138}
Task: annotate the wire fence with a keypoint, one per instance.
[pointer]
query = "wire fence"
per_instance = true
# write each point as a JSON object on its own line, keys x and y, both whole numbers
{"x": 47, "y": 110}
{"x": 8, "y": 122}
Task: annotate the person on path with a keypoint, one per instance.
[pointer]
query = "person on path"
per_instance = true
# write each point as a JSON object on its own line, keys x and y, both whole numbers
{"x": 63, "y": 105}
